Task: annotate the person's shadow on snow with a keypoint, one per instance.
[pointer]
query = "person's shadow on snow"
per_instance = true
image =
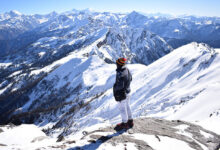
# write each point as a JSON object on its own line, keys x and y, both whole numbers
{"x": 96, "y": 143}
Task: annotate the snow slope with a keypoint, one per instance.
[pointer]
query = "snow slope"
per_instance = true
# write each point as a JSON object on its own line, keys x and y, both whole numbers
{"x": 165, "y": 89}
{"x": 181, "y": 85}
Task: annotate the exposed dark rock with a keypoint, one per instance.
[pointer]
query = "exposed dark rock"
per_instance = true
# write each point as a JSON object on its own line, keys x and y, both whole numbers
{"x": 2, "y": 144}
{"x": 40, "y": 138}
{"x": 70, "y": 142}
{"x": 60, "y": 138}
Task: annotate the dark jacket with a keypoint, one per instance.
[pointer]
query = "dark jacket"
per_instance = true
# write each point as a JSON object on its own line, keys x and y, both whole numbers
{"x": 122, "y": 84}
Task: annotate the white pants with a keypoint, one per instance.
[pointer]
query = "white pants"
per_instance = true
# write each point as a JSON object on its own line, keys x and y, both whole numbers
{"x": 125, "y": 110}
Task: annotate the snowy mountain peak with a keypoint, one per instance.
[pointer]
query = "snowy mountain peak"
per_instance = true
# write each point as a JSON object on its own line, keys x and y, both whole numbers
{"x": 200, "y": 48}
{"x": 54, "y": 13}
{"x": 88, "y": 11}
{"x": 75, "y": 11}
{"x": 14, "y": 13}
{"x": 135, "y": 14}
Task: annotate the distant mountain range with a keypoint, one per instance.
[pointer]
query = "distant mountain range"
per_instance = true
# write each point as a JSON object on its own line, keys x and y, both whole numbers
{"x": 17, "y": 31}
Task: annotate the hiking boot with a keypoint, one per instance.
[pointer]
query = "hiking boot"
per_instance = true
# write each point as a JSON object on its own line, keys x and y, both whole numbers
{"x": 121, "y": 126}
{"x": 130, "y": 123}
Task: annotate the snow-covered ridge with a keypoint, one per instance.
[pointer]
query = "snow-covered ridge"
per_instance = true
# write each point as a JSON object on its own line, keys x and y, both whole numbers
{"x": 169, "y": 88}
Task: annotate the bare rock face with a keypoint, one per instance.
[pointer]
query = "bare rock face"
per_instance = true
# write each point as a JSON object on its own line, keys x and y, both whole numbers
{"x": 148, "y": 130}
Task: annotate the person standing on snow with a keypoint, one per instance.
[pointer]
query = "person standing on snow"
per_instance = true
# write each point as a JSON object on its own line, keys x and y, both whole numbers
{"x": 121, "y": 90}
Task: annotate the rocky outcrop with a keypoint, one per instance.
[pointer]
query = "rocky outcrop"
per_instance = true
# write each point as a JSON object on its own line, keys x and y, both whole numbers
{"x": 158, "y": 130}
{"x": 138, "y": 45}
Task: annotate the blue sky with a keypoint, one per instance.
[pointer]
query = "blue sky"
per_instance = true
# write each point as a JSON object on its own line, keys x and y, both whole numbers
{"x": 175, "y": 7}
